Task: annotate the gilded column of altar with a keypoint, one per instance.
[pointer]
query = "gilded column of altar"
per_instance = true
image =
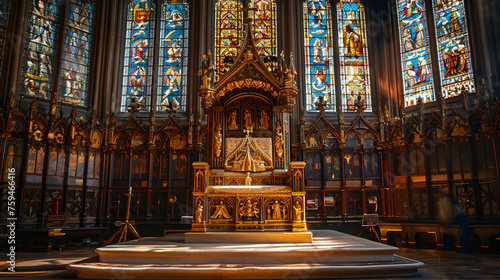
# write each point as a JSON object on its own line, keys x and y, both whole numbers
{"x": 296, "y": 174}
{"x": 200, "y": 203}
{"x": 216, "y": 134}
{"x": 286, "y": 140}
{"x": 278, "y": 138}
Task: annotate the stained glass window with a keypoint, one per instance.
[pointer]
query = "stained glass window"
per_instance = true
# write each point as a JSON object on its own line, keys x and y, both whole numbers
{"x": 74, "y": 76}
{"x": 415, "y": 52}
{"x": 453, "y": 47}
{"x": 354, "y": 72}
{"x": 318, "y": 45}
{"x": 139, "y": 52}
{"x": 264, "y": 30}
{"x": 4, "y": 17}
{"x": 229, "y": 34}
{"x": 173, "y": 56}
{"x": 40, "y": 48}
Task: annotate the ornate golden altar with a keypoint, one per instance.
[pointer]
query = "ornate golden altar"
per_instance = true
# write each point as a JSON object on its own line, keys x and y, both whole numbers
{"x": 248, "y": 182}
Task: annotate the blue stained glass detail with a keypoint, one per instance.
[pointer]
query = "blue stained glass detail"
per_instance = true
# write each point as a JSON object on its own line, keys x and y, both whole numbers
{"x": 453, "y": 47}
{"x": 74, "y": 77}
{"x": 40, "y": 48}
{"x": 415, "y": 52}
{"x": 353, "y": 53}
{"x": 173, "y": 57}
{"x": 139, "y": 51}
{"x": 4, "y": 17}
{"x": 320, "y": 81}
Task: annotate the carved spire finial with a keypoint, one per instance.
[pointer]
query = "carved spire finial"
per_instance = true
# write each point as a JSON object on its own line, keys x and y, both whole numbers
{"x": 386, "y": 114}
{"x": 12, "y": 102}
{"x": 152, "y": 118}
{"x": 320, "y": 105}
{"x": 401, "y": 110}
{"x": 420, "y": 108}
{"x": 92, "y": 117}
{"x": 32, "y": 109}
{"x": 134, "y": 106}
{"x": 340, "y": 115}
{"x": 112, "y": 120}
{"x": 360, "y": 104}
{"x": 53, "y": 104}
{"x": 72, "y": 116}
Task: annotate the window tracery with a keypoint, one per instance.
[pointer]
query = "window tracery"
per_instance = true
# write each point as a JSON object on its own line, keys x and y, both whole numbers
{"x": 139, "y": 52}
{"x": 172, "y": 73}
{"x": 74, "y": 76}
{"x": 415, "y": 52}
{"x": 354, "y": 70}
{"x": 228, "y": 34}
{"x": 453, "y": 47}
{"x": 318, "y": 43}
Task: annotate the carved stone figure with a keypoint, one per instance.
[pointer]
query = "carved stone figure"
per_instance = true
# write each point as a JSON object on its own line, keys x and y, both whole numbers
{"x": 53, "y": 103}
{"x": 249, "y": 210}
{"x": 207, "y": 72}
{"x": 248, "y": 119}
{"x": 232, "y": 120}
{"x": 199, "y": 213}
{"x": 264, "y": 120}
{"x": 221, "y": 211}
{"x": 276, "y": 211}
{"x": 218, "y": 142}
{"x": 279, "y": 141}
{"x": 298, "y": 212}
{"x": 248, "y": 180}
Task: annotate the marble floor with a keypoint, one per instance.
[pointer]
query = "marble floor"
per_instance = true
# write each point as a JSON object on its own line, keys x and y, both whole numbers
{"x": 439, "y": 264}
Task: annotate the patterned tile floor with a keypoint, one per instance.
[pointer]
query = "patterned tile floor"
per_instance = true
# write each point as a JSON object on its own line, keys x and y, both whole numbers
{"x": 439, "y": 264}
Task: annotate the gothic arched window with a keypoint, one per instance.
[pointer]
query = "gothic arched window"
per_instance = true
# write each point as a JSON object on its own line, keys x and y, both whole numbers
{"x": 42, "y": 45}
{"x": 453, "y": 47}
{"x": 354, "y": 71}
{"x": 318, "y": 43}
{"x": 228, "y": 34}
{"x": 139, "y": 52}
{"x": 415, "y": 52}
{"x": 40, "y": 48}
{"x": 264, "y": 26}
{"x": 172, "y": 72}
{"x": 4, "y": 18}
{"x": 169, "y": 92}
{"x": 74, "y": 75}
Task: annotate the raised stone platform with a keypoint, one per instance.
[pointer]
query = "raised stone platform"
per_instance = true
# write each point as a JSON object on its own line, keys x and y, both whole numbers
{"x": 248, "y": 237}
{"x": 330, "y": 255}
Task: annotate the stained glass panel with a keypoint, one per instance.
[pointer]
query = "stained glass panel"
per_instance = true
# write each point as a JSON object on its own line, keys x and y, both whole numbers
{"x": 264, "y": 30}
{"x": 415, "y": 52}
{"x": 40, "y": 48}
{"x": 453, "y": 47}
{"x": 229, "y": 34}
{"x": 74, "y": 76}
{"x": 354, "y": 71}
{"x": 318, "y": 37}
{"x": 173, "y": 56}
{"x": 139, "y": 52}
{"x": 4, "y": 17}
